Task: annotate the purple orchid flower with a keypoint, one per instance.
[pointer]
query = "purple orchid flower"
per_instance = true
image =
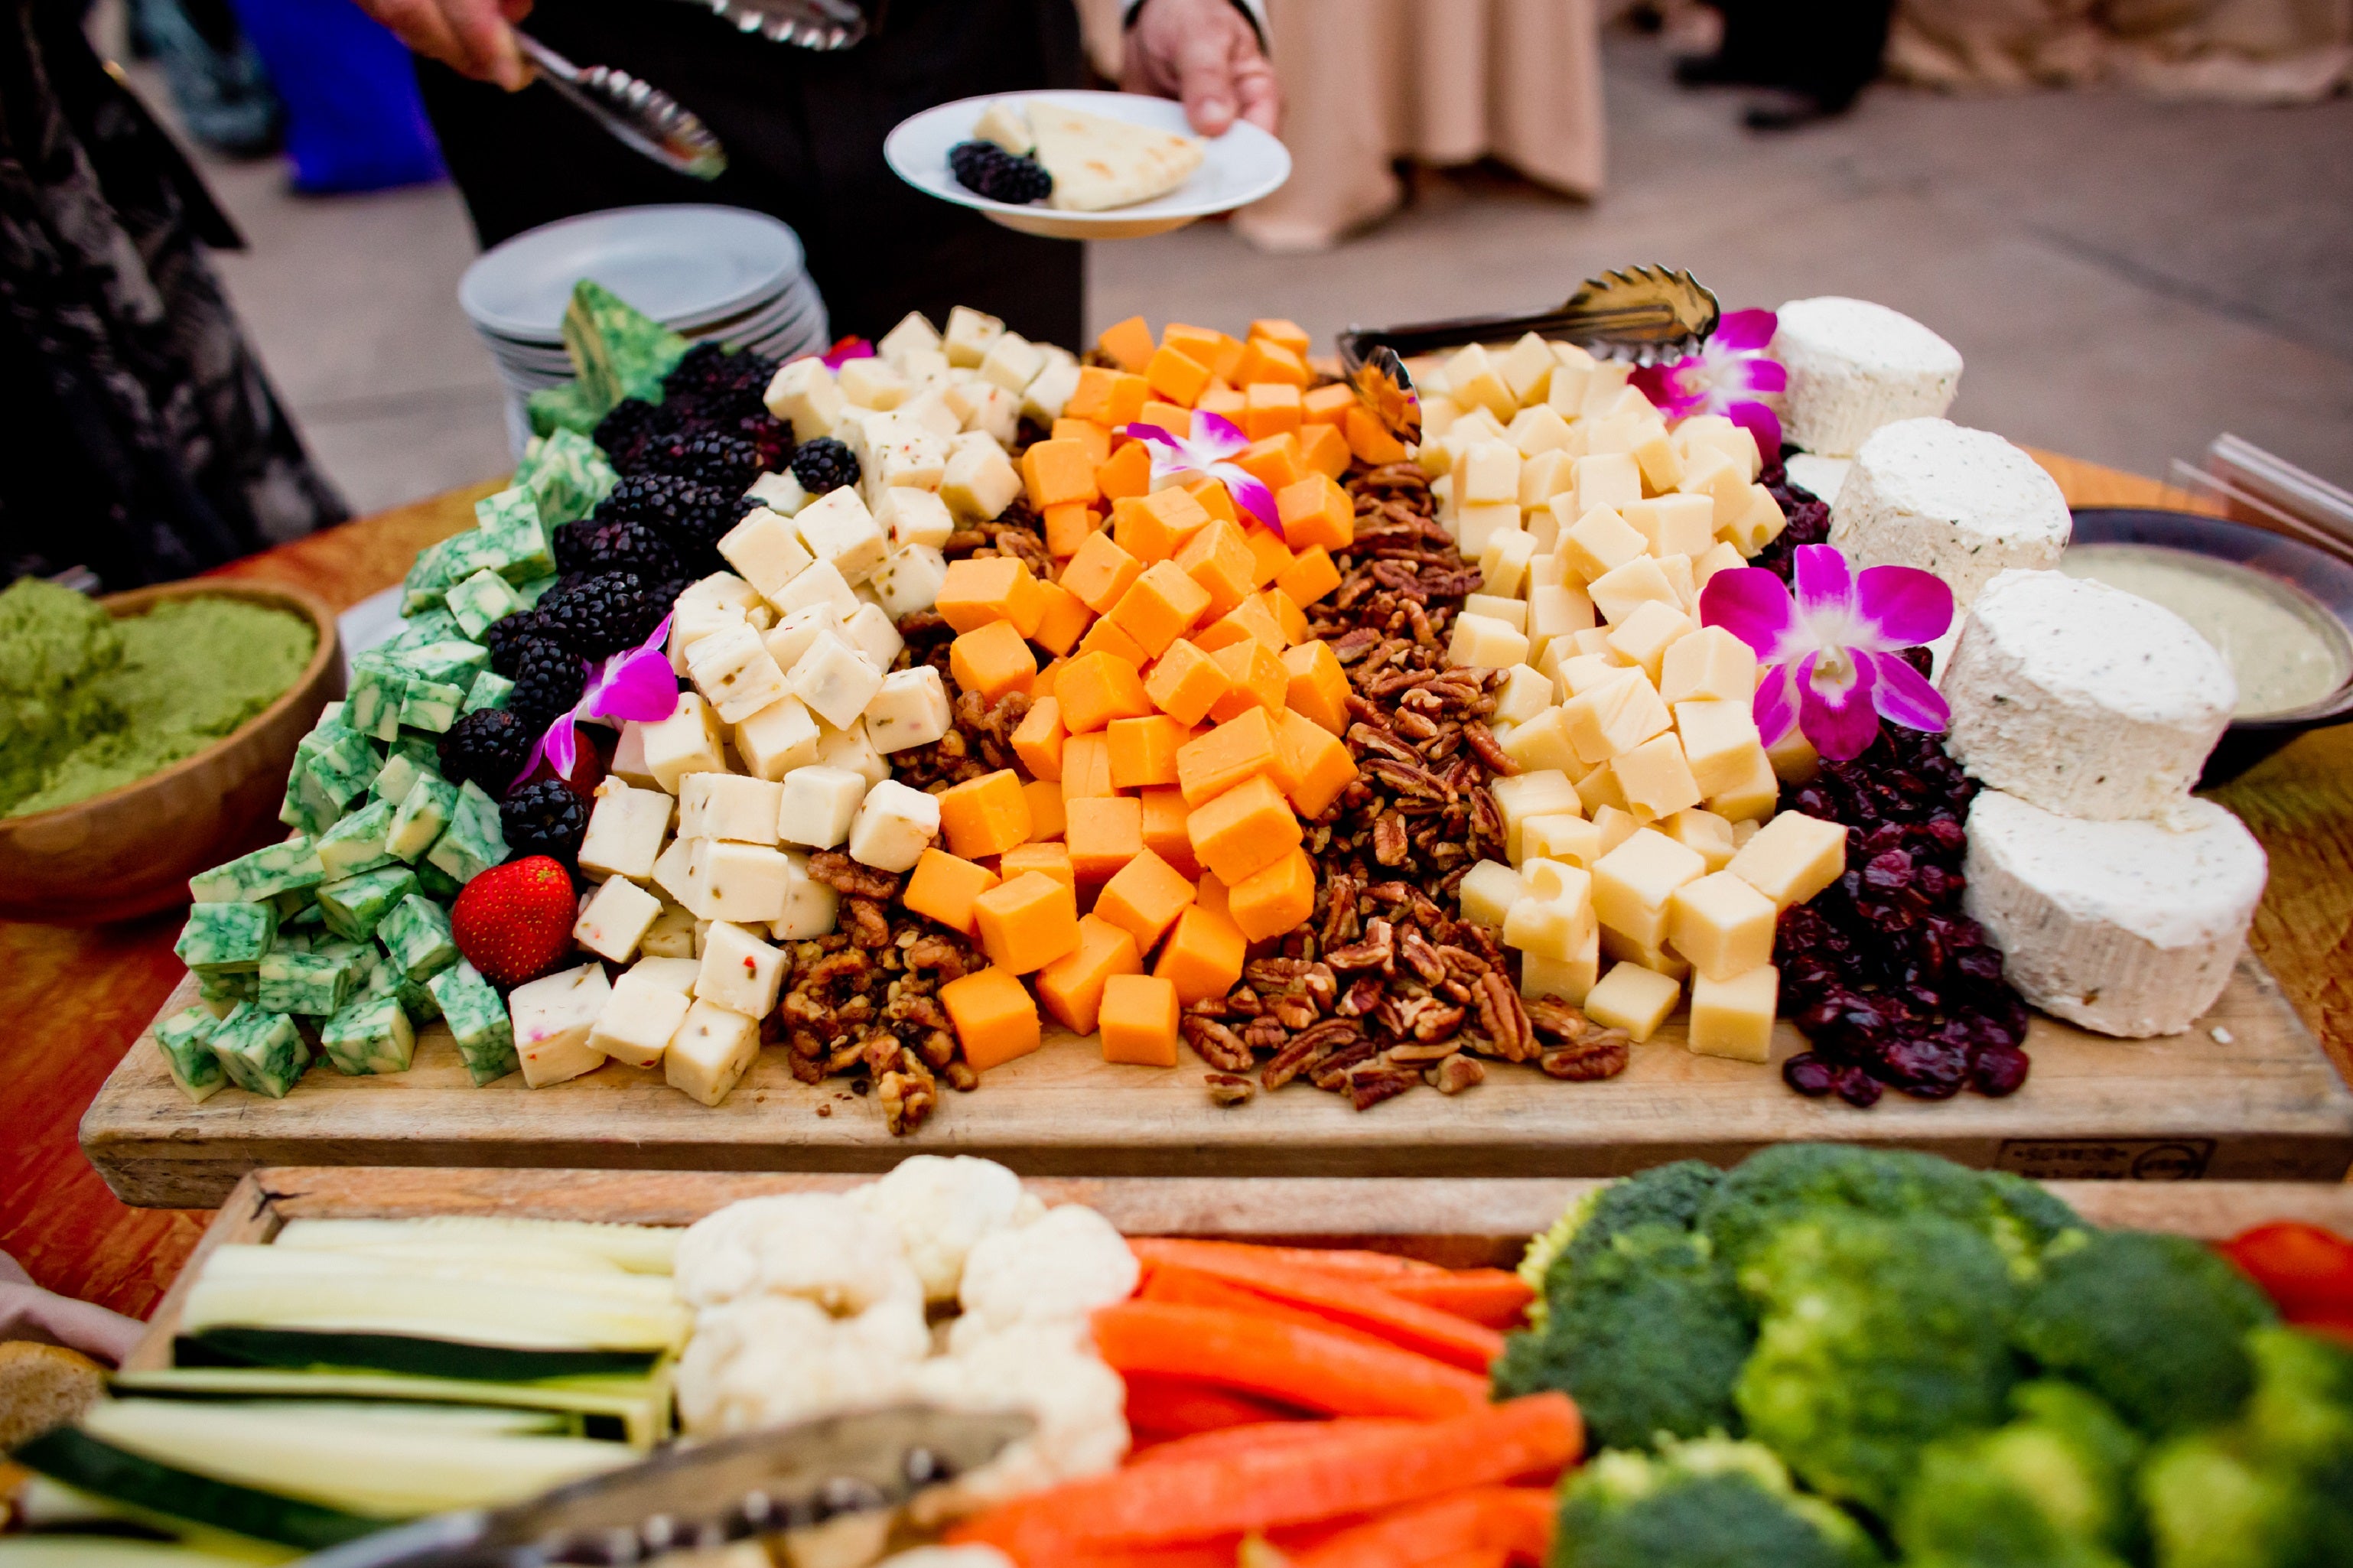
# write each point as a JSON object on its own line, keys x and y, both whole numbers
{"x": 1214, "y": 440}
{"x": 636, "y": 683}
{"x": 1829, "y": 652}
{"x": 1725, "y": 377}
{"x": 844, "y": 350}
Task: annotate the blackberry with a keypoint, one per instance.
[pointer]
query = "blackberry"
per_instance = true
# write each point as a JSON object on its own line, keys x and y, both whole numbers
{"x": 989, "y": 170}
{"x": 706, "y": 457}
{"x": 506, "y": 636}
{"x": 710, "y": 370}
{"x": 690, "y": 516}
{"x": 825, "y": 464}
{"x": 489, "y": 746}
{"x": 617, "y": 544}
{"x": 544, "y": 817}
{"x": 548, "y": 680}
{"x": 601, "y": 614}
{"x": 623, "y": 433}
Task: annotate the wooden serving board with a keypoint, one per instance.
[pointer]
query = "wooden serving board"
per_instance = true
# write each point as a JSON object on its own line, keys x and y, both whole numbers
{"x": 1459, "y": 1223}
{"x": 2246, "y": 1095}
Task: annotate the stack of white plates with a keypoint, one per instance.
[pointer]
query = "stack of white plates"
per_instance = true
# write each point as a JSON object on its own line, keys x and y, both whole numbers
{"x": 708, "y": 272}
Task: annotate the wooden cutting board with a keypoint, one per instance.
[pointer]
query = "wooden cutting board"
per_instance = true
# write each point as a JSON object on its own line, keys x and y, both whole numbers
{"x": 2245, "y": 1095}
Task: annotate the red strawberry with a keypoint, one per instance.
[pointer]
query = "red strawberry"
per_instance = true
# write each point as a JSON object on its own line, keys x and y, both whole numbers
{"x": 513, "y": 922}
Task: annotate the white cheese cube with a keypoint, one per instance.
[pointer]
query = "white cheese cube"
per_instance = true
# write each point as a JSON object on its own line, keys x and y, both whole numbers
{"x": 985, "y": 408}
{"x": 1724, "y": 926}
{"x": 969, "y": 336}
{"x": 1488, "y": 891}
{"x": 899, "y": 452}
{"x": 711, "y": 1052}
{"x": 1047, "y": 396}
{"x": 820, "y": 584}
{"x": 930, "y": 408}
{"x": 792, "y": 636}
{"x": 911, "y": 710}
{"x": 1011, "y": 362}
{"x": 675, "y": 875}
{"x": 875, "y": 635}
{"x": 912, "y": 576}
{"x": 625, "y": 830}
{"x": 640, "y": 1016}
{"x": 1523, "y": 795}
{"x": 810, "y": 906}
{"x": 777, "y": 739}
{"x": 927, "y": 368}
{"x": 630, "y": 758}
{"x": 1484, "y": 641}
{"x": 740, "y": 882}
{"x": 552, "y": 1018}
{"x": 1633, "y": 883}
{"x": 852, "y": 749}
{"x": 1632, "y": 998}
{"x": 911, "y": 516}
{"x": 1792, "y": 858}
{"x": 740, "y": 972}
{"x": 1612, "y": 480}
{"x": 838, "y": 530}
{"x": 734, "y": 672}
{"x": 979, "y": 483}
{"x": 834, "y": 679}
{"x": 671, "y": 936}
{"x": 818, "y": 806}
{"x": 893, "y": 826}
{"x": 914, "y": 330}
{"x": 780, "y": 494}
{"x": 691, "y": 624}
{"x": 675, "y": 974}
{"x": 763, "y": 548}
{"x": 873, "y": 383}
{"x": 803, "y": 394}
{"x": 728, "y": 805}
{"x": 688, "y": 742}
{"x": 616, "y": 919}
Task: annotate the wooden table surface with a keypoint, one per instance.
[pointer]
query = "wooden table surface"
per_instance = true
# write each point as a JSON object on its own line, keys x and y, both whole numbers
{"x": 74, "y": 1000}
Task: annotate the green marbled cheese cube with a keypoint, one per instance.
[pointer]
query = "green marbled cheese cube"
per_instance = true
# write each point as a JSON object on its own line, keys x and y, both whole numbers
{"x": 428, "y": 626}
{"x": 354, "y": 905}
{"x": 416, "y": 1000}
{"x": 480, "y": 599}
{"x": 378, "y": 686}
{"x": 619, "y": 351}
{"x": 268, "y": 871}
{"x": 306, "y": 805}
{"x": 431, "y": 575}
{"x": 215, "y": 986}
{"x": 472, "y": 843}
{"x": 477, "y": 1019}
{"x": 490, "y": 689}
{"x": 356, "y": 844}
{"x": 533, "y": 589}
{"x": 568, "y": 475}
{"x": 260, "y": 1051}
{"x": 430, "y": 705}
{"x": 436, "y": 884}
{"x": 564, "y": 407}
{"x": 312, "y": 983}
{"x": 183, "y": 1040}
{"x": 342, "y": 763}
{"x": 416, "y": 937}
{"x": 330, "y": 716}
{"x": 370, "y": 1035}
{"x": 412, "y": 758}
{"x": 292, "y": 906}
{"x": 513, "y": 537}
{"x": 424, "y": 812}
{"x": 227, "y": 938}
{"x": 453, "y": 661}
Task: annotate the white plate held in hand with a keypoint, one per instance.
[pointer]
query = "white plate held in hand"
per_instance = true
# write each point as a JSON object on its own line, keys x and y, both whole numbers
{"x": 1237, "y": 168}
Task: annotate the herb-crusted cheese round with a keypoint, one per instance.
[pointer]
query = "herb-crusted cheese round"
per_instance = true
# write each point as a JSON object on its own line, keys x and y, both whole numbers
{"x": 2128, "y": 928}
{"x": 1854, "y": 366}
{"x": 1962, "y": 503}
{"x": 2083, "y": 698}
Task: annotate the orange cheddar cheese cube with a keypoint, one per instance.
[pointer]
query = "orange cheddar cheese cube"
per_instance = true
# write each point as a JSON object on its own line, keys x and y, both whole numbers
{"x": 1250, "y": 621}
{"x": 1177, "y": 375}
{"x": 1037, "y": 739}
{"x": 1313, "y": 764}
{"x": 1144, "y": 750}
{"x": 1226, "y": 402}
{"x": 1165, "y": 812}
{"x": 1071, "y": 987}
{"x": 1096, "y": 436}
{"x": 1185, "y": 683}
{"x": 1309, "y": 577}
{"x": 1275, "y": 461}
{"x": 1144, "y": 896}
{"x": 992, "y": 660}
{"x": 943, "y": 886}
{"x": 1269, "y": 556}
{"x": 1041, "y": 685}
{"x": 1090, "y": 399}
{"x": 1324, "y": 449}
{"x": 1138, "y": 1020}
{"x": 1046, "y": 860}
{"x": 1099, "y": 572}
{"x": 1276, "y": 900}
{"x": 1210, "y": 893}
{"x": 1045, "y": 796}
{"x": 1264, "y": 360}
{"x": 994, "y": 1018}
{"x": 1258, "y": 677}
{"x": 1283, "y": 332}
{"x": 1064, "y": 622}
{"x": 1159, "y": 608}
{"x": 1086, "y": 769}
{"x": 1068, "y": 526}
{"x": 1104, "y": 637}
{"x": 1216, "y": 557}
{"x": 1318, "y": 688}
{"x": 977, "y": 590}
{"x": 1215, "y": 498}
{"x": 1128, "y": 395}
{"x": 986, "y": 815}
{"x": 1203, "y": 955}
{"x": 1126, "y": 472}
{"x": 1103, "y": 833}
{"x": 1370, "y": 440}
{"x": 1058, "y": 472}
{"x": 1327, "y": 404}
{"x": 1096, "y": 688}
{"x": 1128, "y": 343}
{"x": 1217, "y": 350}
{"x": 1284, "y": 611}
{"x": 1270, "y": 408}
{"x": 1153, "y": 527}
{"x": 1315, "y": 511}
{"x": 1242, "y": 748}
{"x": 1027, "y": 923}
{"x": 1178, "y": 422}
{"x": 1244, "y": 830}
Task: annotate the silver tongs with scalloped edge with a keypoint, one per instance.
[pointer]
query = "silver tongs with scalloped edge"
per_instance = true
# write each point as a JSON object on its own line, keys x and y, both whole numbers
{"x": 639, "y": 114}
{"x": 822, "y": 24}
{"x": 1649, "y": 313}
{"x": 705, "y": 1495}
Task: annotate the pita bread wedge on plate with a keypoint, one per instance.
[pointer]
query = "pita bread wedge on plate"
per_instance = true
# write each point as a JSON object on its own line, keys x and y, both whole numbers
{"x": 1099, "y": 163}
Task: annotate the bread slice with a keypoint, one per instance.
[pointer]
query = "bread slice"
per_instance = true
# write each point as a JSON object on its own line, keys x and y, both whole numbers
{"x": 1098, "y": 163}
{"x": 42, "y": 1386}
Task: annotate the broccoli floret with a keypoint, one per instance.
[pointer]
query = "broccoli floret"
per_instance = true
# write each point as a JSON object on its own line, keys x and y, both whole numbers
{"x": 1648, "y": 1339}
{"x": 1878, "y": 1337}
{"x": 1775, "y": 1185}
{"x": 2155, "y": 1325}
{"x": 1667, "y": 1196}
{"x": 2302, "y": 1410}
{"x": 1706, "y": 1504}
{"x": 2052, "y": 1489}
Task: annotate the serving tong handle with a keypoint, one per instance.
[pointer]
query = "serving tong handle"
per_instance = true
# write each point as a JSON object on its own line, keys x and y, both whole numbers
{"x": 640, "y": 115}
{"x": 821, "y": 25}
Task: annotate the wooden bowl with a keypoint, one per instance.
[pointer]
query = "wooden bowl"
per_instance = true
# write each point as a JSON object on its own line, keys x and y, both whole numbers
{"x": 131, "y": 850}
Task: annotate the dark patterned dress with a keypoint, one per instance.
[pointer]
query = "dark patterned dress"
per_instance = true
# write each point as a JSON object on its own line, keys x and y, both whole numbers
{"x": 138, "y": 434}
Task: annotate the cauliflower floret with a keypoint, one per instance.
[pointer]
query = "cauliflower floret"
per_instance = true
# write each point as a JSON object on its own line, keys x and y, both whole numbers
{"x": 941, "y": 1206}
{"x": 766, "y": 1359}
{"x": 1080, "y": 1406}
{"x": 1055, "y": 1270}
{"x": 818, "y": 1246}
{"x": 949, "y": 1557}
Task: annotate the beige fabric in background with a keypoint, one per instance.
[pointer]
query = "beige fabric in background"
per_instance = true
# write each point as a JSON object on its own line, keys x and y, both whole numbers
{"x": 2250, "y": 51}
{"x": 1366, "y": 82}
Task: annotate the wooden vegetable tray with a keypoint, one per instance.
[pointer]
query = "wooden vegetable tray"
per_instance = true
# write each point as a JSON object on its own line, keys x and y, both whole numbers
{"x": 2246, "y": 1095}
{"x": 1459, "y": 1223}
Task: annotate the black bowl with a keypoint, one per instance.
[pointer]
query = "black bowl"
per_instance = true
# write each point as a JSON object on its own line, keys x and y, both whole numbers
{"x": 2323, "y": 578}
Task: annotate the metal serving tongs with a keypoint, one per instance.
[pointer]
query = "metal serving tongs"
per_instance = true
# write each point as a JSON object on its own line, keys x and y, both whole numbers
{"x": 1648, "y": 312}
{"x": 642, "y": 116}
{"x": 823, "y": 24}
{"x": 758, "y": 1483}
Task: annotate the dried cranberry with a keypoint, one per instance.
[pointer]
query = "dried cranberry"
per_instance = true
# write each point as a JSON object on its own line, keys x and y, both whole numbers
{"x": 1857, "y": 1088}
{"x": 1998, "y": 1070}
{"x": 1807, "y": 1074}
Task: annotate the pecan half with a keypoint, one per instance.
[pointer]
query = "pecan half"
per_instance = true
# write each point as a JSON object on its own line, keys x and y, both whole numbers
{"x": 1215, "y": 1043}
{"x": 1229, "y": 1088}
{"x": 1454, "y": 1075}
{"x": 1504, "y": 1019}
{"x": 1605, "y": 1055}
{"x": 843, "y": 875}
{"x": 1372, "y": 1083}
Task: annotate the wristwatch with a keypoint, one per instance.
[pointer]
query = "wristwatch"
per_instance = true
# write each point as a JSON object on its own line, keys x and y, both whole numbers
{"x": 1253, "y": 9}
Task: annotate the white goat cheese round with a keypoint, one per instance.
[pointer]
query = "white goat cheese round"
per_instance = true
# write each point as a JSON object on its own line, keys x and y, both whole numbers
{"x": 1962, "y": 503}
{"x": 1854, "y": 366}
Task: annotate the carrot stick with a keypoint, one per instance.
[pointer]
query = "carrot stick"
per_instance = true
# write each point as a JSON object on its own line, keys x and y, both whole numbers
{"x": 1495, "y": 1297}
{"x": 1351, "y": 1471}
{"x": 1205, "y": 1554}
{"x": 1266, "y": 1437}
{"x": 1303, "y": 1366}
{"x": 1179, "y": 1407}
{"x": 1191, "y": 1288}
{"x": 1352, "y": 1263}
{"x": 1511, "y": 1522}
{"x": 1477, "y": 1557}
{"x": 1472, "y": 1346}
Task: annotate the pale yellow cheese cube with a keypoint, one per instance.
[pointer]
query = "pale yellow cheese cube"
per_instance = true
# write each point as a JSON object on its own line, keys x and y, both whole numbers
{"x": 1725, "y": 487}
{"x": 1718, "y": 736}
{"x": 625, "y": 830}
{"x": 1488, "y": 470}
{"x": 1554, "y": 919}
{"x": 1525, "y": 692}
{"x": 1754, "y": 795}
{"x": 1542, "y": 741}
{"x": 1473, "y": 381}
{"x": 1597, "y": 542}
{"x": 1710, "y": 664}
{"x": 1722, "y": 924}
{"x": 1612, "y": 479}
{"x": 1657, "y": 457}
{"x": 1488, "y": 890}
{"x": 1632, "y": 998}
{"x": 1570, "y": 982}
{"x": 1503, "y": 561}
{"x": 1655, "y": 779}
{"x": 1656, "y": 957}
{"x": 1608, "y": 434}
{"x": 1642, "y": 638}
{"x": 688, "y": 742}
{"x": 1792, "y": 858}
{"x": 1759, "y": 523}
{"x": 1547, "y": 472}
{"x": 1794, "y": 759}
{"x": 1544, "y": 792}
{"x": 1617, "y": 593}
{"x": 777, "y": 739}
{"x": 1526, "y": 367}
{"x": 1479, "y": 424}
{"x": 1539, "y": 525}
{"x": 1596, "y": 640}
{"x": 616, "y": 919}
{"x": 1674, "y": 524}
{"x": 1579, "y": 673}
{"x": 1613, "y": 717}
{"x": 1704, "y": 432}
{"x": 1563, "y": 836}
{"x": 1549, "y": 569}
{"x": 1564, "y": 391}
{"x": 1742, "y": 832}
{"x": 1486, "y": 642}
{"x": 1556, "y": 610}
{"x": 1616, "y": 824}
{"x": 1598, "y": 790}
{"x": 1633, "y": 883}
{"x": 1605, "y": 385}
{"x": 1475, "y": 524}
{"x": 1719, "y": 557}
{"x": 552, "y": 1018}
{"x": 1537, "y": 429}
{"x": 711, "y": 1052}
{"x": 1677, "y": 570}
{"x": 1704, "y": 831}
{"x": 1733, "y": 1017}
